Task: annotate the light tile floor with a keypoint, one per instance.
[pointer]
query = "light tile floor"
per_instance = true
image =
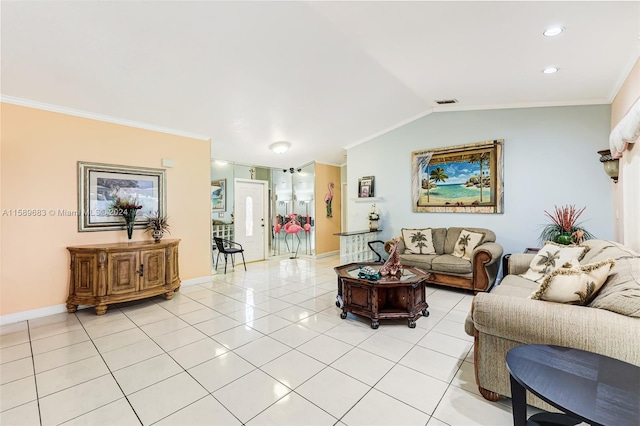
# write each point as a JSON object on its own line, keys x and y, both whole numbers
{"x": 262, "y": 347}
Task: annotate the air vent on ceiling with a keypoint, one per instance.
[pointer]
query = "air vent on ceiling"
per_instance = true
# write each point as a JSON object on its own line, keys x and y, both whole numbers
{"x": 446, "y": 101}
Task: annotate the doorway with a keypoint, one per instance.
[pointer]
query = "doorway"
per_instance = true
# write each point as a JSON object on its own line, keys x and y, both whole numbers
{"x": 251, "y": 213}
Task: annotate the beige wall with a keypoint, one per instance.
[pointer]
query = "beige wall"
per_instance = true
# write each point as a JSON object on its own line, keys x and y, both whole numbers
{"x": 327, "y": 226}
{"x": 626, "y": 193}
{"x": 40, "y": 151}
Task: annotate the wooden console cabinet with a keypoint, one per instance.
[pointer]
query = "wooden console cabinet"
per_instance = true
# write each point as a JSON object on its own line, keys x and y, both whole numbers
{"x": 103, "y": 274}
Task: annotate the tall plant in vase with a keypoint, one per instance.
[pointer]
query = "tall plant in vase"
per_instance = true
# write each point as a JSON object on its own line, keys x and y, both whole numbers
{"x": 565, "y": 228}
{"x": 128, "y": 209}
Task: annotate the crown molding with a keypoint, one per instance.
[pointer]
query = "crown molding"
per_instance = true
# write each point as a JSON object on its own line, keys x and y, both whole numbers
{"x": 624, "y": 74}
{"x": 451, "y": 108}
{"x": 389, "y": 129}
{"x": 99, "y": 117}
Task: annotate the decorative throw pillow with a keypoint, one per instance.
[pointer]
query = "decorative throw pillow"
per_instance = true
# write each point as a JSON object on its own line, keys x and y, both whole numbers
{"x": 418, "y": 241}
{"x": 551, "y": 257}
{"x": 467, "y": 241}
{"x": 577, "y": 285}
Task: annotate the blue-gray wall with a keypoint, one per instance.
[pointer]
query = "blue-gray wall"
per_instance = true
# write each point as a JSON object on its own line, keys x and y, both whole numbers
{"x": 549, "y": 159}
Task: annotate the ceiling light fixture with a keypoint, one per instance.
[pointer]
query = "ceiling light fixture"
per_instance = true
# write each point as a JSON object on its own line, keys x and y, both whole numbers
{"x": 280, "y": 147}
{"x": 553, "y": 31}
{"x": 221, "y": 162}
{"x": 550, "y": 70}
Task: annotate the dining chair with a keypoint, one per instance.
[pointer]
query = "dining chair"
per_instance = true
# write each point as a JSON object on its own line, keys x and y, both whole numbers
{"x": 228, "y": 247}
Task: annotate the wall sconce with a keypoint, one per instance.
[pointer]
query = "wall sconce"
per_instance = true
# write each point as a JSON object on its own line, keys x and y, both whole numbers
{"x": 610, "y": 164}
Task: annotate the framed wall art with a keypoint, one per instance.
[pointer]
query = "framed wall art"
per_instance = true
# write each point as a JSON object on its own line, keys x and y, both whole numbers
{"x": 366, "y": 187}
{"x": 218, "y": 195}
{"x": 100, "y": 185}
{"x": 459, "y": 179}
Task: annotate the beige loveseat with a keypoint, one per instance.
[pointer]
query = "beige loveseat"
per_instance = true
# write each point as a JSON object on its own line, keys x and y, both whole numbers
{"x": 477, "y": 274}
{"x": 506, "y": 318}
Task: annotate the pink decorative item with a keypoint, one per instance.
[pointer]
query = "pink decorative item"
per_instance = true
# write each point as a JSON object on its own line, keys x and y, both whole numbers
{"x": 292, "y": 228}
{"x": 328, "y": 199}
{"x": 392, "y": 266}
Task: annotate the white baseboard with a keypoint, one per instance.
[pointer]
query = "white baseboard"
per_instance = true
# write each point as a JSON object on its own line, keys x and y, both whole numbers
{"x": 33, "y": 314}
{"x": 199, "y": 280}
{"x": 58, "y": 309}
{"x": 328, "y": 254}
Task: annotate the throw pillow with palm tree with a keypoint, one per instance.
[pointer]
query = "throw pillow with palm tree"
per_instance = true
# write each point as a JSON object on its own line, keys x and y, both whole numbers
{"x": 418, "y": 241}
{"x": 467, "y": 241}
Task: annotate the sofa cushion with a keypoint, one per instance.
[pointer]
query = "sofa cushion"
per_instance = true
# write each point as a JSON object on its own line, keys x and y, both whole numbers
{"x": 422, "y": 261}
{"x": 601, "y": 250}
{"x": 451, "y": 264}
{"x": 453, "y": 234}
{"x": 576, "y": 285}
{"x": 551, "y": 257}
{"x": 621, "y": 292}
{"x": 418, "y": 241}
{"x": 467, "y": 241}
{"x": 439, "y": 237}
{"x": 515, "y": 286}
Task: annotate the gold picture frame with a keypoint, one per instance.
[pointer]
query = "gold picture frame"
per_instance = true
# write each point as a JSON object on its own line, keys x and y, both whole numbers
{"x": 459, "y": 179}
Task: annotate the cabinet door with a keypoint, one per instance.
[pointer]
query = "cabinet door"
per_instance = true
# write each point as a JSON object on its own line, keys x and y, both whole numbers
{"x": 85, "y": 274}
{"x": 153, "y": 268}
{"x": 122, "y": 276}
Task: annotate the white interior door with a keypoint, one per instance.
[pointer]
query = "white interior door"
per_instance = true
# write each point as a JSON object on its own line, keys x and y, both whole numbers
{"x": 251, "y": 225}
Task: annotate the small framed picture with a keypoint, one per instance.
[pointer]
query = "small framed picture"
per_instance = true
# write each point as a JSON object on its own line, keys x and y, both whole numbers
{"x": 366, "y": 187}
{"x": 218, "y": 195}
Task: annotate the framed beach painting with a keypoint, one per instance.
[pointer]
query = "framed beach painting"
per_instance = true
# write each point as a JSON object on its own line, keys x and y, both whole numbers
{"x": 101, "y": 185}
{"x": 218, "y": 195}
{"x": 459, "y": 179}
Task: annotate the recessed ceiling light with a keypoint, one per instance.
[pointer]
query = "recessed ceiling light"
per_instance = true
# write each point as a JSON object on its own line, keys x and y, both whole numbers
{"x": 550, "y": 70}
{"x": 553, "y": 31}
{"x": 280, "y": 147}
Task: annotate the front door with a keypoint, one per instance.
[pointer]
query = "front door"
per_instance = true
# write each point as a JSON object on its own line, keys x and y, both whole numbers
{"x": 251, "y": 218}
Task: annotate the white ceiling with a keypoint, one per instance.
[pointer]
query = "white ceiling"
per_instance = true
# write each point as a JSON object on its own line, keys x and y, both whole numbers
{"x": 321, "y": 75}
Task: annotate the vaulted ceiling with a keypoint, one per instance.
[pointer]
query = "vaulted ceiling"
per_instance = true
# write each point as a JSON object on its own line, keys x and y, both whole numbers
{"x": 320, "y": 75}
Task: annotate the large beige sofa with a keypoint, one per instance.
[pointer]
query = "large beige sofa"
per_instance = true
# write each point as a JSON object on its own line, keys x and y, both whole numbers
{"x": 506, "y": 318}
{"x": 478, "y": 274}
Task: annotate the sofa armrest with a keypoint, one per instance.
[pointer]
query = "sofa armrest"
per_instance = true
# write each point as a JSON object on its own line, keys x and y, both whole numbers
{"x": 494, "y": 249}
{"x": 519, "y": 263}
{"x": 534, "y": 321}
{"x": 485, "y": 263}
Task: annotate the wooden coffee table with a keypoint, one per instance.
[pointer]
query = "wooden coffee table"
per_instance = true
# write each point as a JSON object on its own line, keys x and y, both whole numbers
{"x": 401, "y": 296}
{"x": 588, "y": 387}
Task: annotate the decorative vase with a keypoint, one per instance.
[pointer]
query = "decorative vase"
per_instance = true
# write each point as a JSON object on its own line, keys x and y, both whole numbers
{"x": 130, "y": 220}
{"x": 130, "y": 224}
{"x": 373, "y": 225}
{"x": 564, "y": 238}
{"x": 157, "y": 235}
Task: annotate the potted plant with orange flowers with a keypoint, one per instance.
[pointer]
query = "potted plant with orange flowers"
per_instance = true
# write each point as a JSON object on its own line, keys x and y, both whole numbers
{"x": 565, "y": 228}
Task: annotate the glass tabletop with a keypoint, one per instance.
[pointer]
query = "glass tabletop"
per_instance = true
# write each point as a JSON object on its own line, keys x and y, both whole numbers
{"x": 405, "y": 275}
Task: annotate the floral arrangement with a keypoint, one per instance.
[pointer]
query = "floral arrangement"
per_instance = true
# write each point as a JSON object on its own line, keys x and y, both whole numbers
{"x": 373, "y": 215}
{"x": 124, "y": 206}
{"x": 128, "y": 209}
{"x": 565, "y": 228}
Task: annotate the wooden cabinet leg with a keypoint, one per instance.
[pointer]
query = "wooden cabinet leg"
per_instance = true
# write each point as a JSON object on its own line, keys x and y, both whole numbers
{"x": 101, "y": 309}
{"x": 168, "y": 295}
{"x": 71, "y": 308}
